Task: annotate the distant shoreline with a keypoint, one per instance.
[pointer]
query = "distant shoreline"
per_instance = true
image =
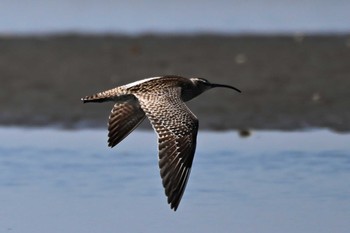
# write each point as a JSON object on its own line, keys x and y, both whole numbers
{"x": 159, "y": 35}
{"x": 288, "y": 82}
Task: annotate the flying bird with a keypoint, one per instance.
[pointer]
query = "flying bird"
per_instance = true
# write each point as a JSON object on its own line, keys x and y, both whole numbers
{"x": 162, "y": 100}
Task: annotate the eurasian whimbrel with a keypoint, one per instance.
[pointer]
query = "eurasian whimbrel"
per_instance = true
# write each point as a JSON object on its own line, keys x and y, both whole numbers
{"x": 161, "y": 99}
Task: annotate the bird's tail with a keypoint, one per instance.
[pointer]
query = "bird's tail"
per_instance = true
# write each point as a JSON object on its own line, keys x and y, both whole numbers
{"x": 100, "y": 97}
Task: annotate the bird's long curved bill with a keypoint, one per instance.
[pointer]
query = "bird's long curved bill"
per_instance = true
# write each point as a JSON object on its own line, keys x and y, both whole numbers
{"x": 227, "y": 86}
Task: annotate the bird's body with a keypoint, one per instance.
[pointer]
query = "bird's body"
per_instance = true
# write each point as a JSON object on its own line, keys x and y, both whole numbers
{"x": 161, "y": 99}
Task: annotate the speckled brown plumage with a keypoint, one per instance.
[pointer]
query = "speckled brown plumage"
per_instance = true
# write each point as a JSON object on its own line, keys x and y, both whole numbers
{"x": 161, "y": 99}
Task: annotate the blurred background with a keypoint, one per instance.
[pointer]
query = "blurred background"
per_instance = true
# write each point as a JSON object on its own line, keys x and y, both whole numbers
{"x": 290, "y": 58}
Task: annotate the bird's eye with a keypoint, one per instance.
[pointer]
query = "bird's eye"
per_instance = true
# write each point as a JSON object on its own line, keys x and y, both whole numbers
{"x": 202, "y": 80}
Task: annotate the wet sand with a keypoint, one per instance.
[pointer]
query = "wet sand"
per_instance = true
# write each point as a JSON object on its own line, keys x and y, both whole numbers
{"x": 288, "y": 82}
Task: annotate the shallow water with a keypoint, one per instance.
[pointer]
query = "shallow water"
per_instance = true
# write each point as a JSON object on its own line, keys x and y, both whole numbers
{"x": 70, "y": 181}
{"x": 223, "y": 16}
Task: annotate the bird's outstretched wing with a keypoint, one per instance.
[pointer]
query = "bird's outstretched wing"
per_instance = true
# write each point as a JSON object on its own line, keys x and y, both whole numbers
{"x": 177, "y": 128}
{"x": 124, "y": 118}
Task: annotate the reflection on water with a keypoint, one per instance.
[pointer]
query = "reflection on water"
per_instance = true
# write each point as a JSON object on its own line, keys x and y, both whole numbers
{"x": 70, "y": 181}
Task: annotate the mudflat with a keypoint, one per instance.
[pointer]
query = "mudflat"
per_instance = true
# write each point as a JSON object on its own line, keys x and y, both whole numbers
{"x": 287, "y": 82}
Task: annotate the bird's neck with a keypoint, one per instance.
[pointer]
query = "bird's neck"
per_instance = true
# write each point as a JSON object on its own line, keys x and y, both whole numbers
{"x": 188, "y": 94}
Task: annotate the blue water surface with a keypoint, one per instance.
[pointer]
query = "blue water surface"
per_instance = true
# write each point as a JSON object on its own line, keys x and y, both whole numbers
{"x": 190, "y": 16}
{"x": 57, "y": 181}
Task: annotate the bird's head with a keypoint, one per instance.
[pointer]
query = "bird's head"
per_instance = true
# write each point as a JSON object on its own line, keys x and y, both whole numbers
{"x": 203, "y": 85}
{"x": 198, "y": 86}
